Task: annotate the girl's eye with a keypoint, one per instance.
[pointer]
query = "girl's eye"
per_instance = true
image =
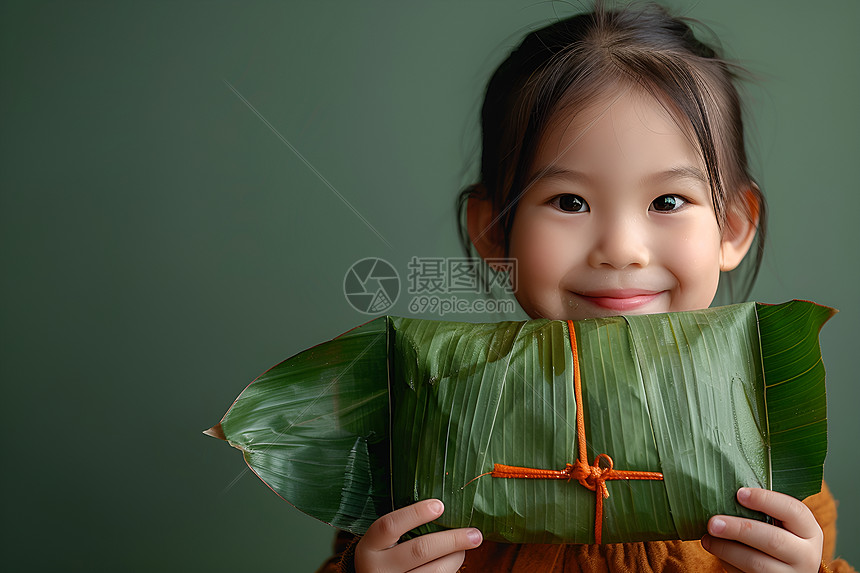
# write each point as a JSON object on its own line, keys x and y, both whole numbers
{"x": 570, "y": 203}
{"x": 667, "y": 203}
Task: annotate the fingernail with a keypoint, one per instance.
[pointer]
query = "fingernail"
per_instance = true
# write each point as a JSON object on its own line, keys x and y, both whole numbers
{"x": 436, "y": 507}
{"x": 475, "y": 537}
{"x": 717, "y": 525}
{"x": 744, "y": 494}
{"x": 706, "y": 541}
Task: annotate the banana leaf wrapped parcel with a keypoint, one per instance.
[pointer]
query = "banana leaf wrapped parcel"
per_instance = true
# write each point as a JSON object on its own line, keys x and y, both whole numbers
{"x": 606, "y": 430}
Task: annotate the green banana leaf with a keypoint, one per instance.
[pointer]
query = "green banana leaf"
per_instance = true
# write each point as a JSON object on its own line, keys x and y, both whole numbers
{"x": 400, "y": 409}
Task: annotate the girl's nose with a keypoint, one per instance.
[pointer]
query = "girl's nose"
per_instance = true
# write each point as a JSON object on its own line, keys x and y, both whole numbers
{"x": 619, "y": 243}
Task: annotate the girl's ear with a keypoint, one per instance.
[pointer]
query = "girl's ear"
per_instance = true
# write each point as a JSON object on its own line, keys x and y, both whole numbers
{"x": 738, "y": 235}
{"x": 484, "y": 231}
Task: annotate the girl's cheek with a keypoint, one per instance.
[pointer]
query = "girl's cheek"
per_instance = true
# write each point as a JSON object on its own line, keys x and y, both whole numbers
{"x": 539, "y": 251}
{"x": 693, "y": 258}
{"x": 539, "y": 254}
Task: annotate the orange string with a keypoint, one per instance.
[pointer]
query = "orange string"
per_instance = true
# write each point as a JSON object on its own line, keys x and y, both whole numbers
{"x": 594, "y": 476}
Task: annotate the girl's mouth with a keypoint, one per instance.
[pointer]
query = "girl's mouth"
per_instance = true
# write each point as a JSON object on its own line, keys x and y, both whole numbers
{"x": 624, "y": 300}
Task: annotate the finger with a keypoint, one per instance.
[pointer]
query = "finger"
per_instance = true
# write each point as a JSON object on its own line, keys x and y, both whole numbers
{"x": 743, "y": 557}
{"x": 769, "y": 540}
{"x": 730, "y": 568}
{"x": 426, "y": 548}
{"x": 448, "y": 564}
{"x": 387, "y": 530}
{"x": 794, "y": 515}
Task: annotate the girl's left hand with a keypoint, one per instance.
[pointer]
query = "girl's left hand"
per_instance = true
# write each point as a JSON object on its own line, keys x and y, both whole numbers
{"x": 750, "y": 545}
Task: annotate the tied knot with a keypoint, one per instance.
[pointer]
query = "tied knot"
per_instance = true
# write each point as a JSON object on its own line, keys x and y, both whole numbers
{"x": 593, "y": 476}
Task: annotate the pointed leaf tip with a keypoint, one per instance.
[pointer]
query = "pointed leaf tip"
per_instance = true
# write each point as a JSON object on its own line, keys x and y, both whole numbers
{"x": 216, "y": 432}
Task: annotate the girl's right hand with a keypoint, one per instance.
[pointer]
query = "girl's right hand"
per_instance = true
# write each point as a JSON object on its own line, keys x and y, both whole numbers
{"x": 379, "y": 552}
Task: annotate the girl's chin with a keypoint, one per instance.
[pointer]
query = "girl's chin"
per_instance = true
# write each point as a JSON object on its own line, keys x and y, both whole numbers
{"x": 579, "y": 307}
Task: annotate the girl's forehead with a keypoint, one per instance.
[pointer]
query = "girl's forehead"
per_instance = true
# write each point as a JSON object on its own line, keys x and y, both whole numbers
{"x": 626, "y": 107}
{"x": 626, "y": 120}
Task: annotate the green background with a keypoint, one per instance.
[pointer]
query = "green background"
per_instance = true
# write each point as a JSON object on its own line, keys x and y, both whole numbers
{"x": 161, "y": 245}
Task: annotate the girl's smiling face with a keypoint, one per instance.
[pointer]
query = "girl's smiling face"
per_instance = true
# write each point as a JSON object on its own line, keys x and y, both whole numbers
{"x": 618, "y": 218}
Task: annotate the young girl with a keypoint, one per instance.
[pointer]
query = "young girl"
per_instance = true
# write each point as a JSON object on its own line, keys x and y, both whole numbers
{"x": 614, "y": 173}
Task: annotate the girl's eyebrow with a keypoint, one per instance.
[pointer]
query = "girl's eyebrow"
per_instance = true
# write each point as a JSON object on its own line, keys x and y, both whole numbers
{"x": 679, "y": 173}
{"x": 554, "y": 171}
{"x": 675, "y": 174}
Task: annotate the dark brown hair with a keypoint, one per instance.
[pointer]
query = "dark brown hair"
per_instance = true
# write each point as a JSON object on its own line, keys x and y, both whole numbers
{"x": 566, "y": 65}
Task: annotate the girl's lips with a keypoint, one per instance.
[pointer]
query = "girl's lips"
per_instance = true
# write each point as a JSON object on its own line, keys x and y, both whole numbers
{"x": 622, "y": 300}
